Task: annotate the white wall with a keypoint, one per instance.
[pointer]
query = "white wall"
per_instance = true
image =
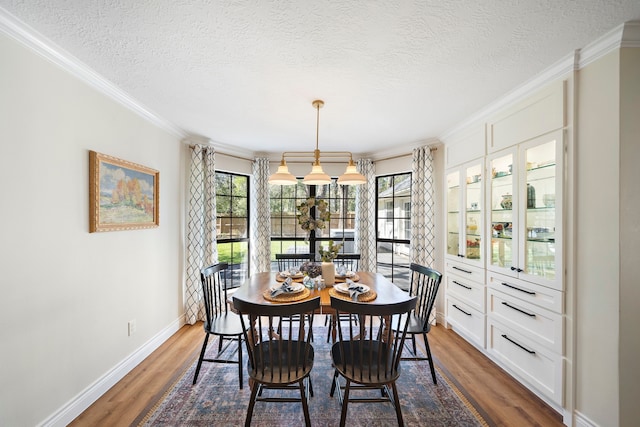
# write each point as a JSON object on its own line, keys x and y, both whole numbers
{"x": 629, "y": 236}
{"x": 66, "y": 295}
{"x": 597, "y": 250}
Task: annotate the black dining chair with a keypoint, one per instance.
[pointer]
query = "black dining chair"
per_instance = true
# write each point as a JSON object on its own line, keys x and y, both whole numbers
{"x": 287, "y": 261}
{"x": 279, "y": 360}
{"x": 352, "y": 263}
{"x": 424, "y": 286}
{"x": 220, "y": 320}
{"x": 367, "y": 355}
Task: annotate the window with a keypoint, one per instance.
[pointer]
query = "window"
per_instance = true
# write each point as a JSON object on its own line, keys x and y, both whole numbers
{"x": 232, "y": 225}
{"x": 286, "y": 234}
{"x": 393, "y": 227}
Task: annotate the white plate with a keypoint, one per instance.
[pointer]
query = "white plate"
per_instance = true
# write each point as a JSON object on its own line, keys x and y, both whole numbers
{"x": 297, "y": 287}
{"x": 348, "y": 275}
{"x": 293, "y": 276}
{"x": 344, "y": 288}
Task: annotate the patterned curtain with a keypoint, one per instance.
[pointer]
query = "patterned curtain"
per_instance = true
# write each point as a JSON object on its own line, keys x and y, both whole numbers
{"x": 365, "y": 234}
{"x": 422, "y": 209}
{"x": 201, "y": 228}
{"x": 260, "y": 218}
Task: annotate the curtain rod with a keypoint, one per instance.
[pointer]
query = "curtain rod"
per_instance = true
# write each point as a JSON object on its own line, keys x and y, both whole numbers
{"x": 431, "y": 149}
{"x": 228, "y": 155}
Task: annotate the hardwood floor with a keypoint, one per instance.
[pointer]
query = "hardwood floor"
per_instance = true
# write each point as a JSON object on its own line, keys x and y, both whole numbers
{"x": 501, "y": 398}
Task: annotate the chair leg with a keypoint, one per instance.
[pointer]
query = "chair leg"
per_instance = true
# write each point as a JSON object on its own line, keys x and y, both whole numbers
{"x": 413, "y": 341}
{"x": 204, "y": 347}
{"x": 396, "y": 403}
{"x": 305, "y": 405}
{"x": 433, "y": 371}
{"x": 333, "y": 383}
{"x": 220, "y": 340}
{"x": 240, "y": 361}
{"x": 252, "y": 402}
{"x": 330, "y": 317}
{"x": 343, "y": 415}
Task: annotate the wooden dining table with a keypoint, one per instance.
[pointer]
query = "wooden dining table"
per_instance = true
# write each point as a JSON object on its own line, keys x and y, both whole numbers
{"x": 253, "y": 289}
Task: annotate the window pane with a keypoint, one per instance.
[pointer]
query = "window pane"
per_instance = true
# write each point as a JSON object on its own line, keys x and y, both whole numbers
{"x": 240, "y": 185}
{"x": 239, "y": 206}
{"x": 239, "y": 228}
{"x": 223, "y": 205}
{"x": 223, "y": 184}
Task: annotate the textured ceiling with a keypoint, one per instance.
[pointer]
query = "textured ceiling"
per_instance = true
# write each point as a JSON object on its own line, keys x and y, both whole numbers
{"x": 244, "y": 73}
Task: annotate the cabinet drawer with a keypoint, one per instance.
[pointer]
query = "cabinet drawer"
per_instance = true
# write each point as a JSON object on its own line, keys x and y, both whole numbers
{"x": 467, "y": 291}
{"x": 531, "y": 363}
{"x": 534, "y": 322}
{"x": 469, "y": 272}
{"x": 466, "y": 320}
{"x": 541, "y": 296}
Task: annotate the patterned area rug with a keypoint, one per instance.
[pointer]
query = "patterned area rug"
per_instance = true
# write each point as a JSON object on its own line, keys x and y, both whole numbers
{"x": 216, "y": 399}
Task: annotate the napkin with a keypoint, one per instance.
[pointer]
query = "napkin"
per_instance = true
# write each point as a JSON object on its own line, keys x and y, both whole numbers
{"x": 285, "y": 288}
{"x": 355, "y": 290}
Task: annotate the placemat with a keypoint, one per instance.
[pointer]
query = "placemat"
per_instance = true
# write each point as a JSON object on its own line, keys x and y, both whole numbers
{"x": 370, "y": 295}
{"x": 279, "y": 278}
{"x": 286, "y": 297}
{"x": 340, "y": 279}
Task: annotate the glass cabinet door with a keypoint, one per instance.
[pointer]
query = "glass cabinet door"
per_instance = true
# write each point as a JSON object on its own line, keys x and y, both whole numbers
{"x": 503, "y": 253}
{"x": 540, "y": 218}
{"x": 473, "y": 210}
{"x": 453, "y": 213}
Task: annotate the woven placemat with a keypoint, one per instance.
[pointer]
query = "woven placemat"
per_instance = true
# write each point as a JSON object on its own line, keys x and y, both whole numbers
{"x": 370, "y": 295}
{"x": 286, "y": 297}
{"x": 279, "y": 278}
{"x": 355, "y": 278}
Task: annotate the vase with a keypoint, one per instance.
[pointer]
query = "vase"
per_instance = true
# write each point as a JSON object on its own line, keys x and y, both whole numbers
{"x": 328, "y": 273}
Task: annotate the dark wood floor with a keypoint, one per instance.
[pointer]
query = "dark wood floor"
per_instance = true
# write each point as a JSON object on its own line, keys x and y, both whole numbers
{"x": 502, "y": 399}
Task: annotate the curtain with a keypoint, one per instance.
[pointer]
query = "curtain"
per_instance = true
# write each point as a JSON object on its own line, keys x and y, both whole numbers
{"x": 422, "y": 209}
{"x": 260, "y": 217}
{"x": 201, "y": 228}
{"x": 365, "y": 233}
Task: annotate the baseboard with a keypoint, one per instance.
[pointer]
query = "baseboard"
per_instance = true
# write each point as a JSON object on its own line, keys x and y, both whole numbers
{"x": 582, "y": 421}
{"x": 67, "y": 413}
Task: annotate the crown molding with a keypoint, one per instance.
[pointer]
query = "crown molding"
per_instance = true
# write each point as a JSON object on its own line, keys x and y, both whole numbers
{"x": 600, "y": 47}
{"x": 631, "y": 34}
{"x": 44, "y": 47}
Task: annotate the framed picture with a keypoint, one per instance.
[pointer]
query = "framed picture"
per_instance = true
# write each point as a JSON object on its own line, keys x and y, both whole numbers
{"x": 122, "y": 195}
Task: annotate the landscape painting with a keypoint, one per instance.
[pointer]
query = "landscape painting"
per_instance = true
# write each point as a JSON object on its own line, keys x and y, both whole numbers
{"x": 122, "y": 195}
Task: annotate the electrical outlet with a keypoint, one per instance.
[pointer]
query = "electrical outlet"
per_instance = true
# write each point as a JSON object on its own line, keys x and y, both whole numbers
{"x": 132, "y": 327}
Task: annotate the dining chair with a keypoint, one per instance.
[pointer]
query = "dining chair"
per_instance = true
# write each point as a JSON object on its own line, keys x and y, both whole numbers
{"x": 367, "y": 355}
{"x": 424, "y": 286}
{"x": 352, "y": 263}
{"x": 278, "y": 360}
{"x": 220, "y": 320}
{"x": 287, "y": 261}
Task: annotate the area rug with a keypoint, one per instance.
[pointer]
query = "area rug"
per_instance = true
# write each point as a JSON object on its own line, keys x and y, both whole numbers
{"x": 216, "y": 399}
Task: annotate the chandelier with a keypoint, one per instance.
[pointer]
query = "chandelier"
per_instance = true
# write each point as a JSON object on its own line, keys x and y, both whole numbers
{"x": 317, "y": 176}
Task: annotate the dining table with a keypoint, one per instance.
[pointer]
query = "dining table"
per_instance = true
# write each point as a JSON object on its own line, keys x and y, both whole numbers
{"x": 257, "y": 289}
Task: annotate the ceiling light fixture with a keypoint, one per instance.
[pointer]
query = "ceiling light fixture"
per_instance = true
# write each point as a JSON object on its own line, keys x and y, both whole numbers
{"x": 317, "y": 176}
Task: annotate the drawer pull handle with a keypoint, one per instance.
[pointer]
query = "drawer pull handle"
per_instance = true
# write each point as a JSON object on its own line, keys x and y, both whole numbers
{"x": 518, "y": 309}
{"x": 461, "y": 269}
{"x": 455, "y": 306}
{"x": 518, "y": 289}
{"x": 460, "y": 284}
{"x": 519, "y": 345}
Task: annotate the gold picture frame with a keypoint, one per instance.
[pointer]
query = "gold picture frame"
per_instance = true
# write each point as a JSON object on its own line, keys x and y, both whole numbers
{"x": 122, "y": 195}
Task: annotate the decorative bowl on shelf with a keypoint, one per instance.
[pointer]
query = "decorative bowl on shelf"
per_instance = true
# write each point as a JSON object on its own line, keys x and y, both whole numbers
{"x": 507, "y": 201}
{"x": 549, "y": 200}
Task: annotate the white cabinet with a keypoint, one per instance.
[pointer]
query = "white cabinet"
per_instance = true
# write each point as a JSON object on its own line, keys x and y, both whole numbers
{"x": 525, "y": 211}
{"x": 525, "y": 332}
{"x": 465, "y": 200}
{"x": 464, "y": 258}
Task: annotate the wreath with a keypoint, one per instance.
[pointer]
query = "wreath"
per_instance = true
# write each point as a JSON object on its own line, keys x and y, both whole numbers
{"x": 323, "y": 216}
